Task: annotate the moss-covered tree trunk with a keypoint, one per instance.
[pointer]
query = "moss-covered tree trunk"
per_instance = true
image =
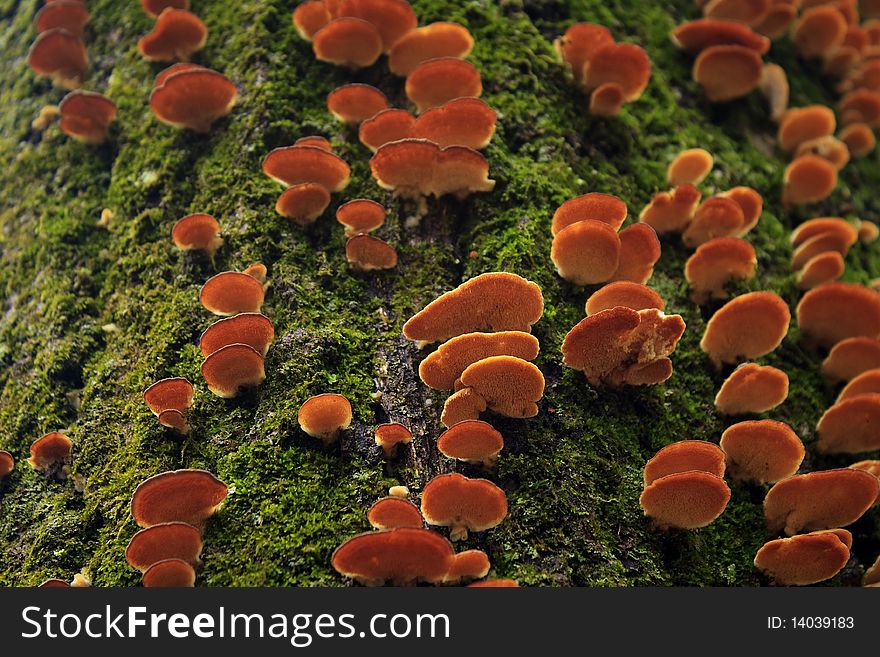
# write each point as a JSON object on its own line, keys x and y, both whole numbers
{"x": 93, "y": 315}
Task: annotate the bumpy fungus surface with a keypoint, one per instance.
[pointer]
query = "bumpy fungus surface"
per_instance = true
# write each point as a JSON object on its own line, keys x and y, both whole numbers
{"x": 763, "y": 451}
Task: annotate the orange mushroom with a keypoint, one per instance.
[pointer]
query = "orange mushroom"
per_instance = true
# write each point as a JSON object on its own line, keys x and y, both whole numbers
{"x": 174, "y": 393}
{"x": 192, "y": 97}
{"x": 868, "y": 231}
{"x": 774, "y": 86}
{"x": 671, "y": 211}
{"x": 324, "y": 416}
{"x": 467, "y": 566}
{"x": 176, "y": 36}
{"x": 70, "y": 15}
{"x": 293, "y": 165}
{"x": 808, "y": 179}
{"x": 60, "y": 55}
{"x": 232, "y": 368}
{"x": 179, "y": 67}
{"x": 860, "y": 106}
{"x": 174, "y": 419}
{"x": 607, "y": 99}
{"x": 315, "y": 140}
{"x": 355, "y": 103}
{"x": 153, "y": 8}
{"x": 727, "y": 72}
{"x": 689, "y": 167}
{"x": 827, "y": 147}
{"x": 623, "y": 293}
{"x": 170, "y": 573}
{"x": 750, "y": 202}
{"x": 864, "y": 383}
{"x": 819, "y": 500}
{"x": 50, "y": 450}
{"x": 436, "y": 81}
{"x": 623, "y": 64}
{"x": 390, "y": 435}
{"x": 763, "y": 451}
{"x": 804, "y": 124}
{"x": 472, "y": 441}
{"x": 429, "y": 42}
{"x": 349, "y": 42}
{"x": 586, "y": 252}
{"x": 605, "y": 208}
{"x": 695, "y": 36}
{"x": 360, "y": 216}
{"x": 252, "y": 329}
{"x": 820, "y": 269}
{"x": 393, "y": 512}
{"x": 392, "y": 18}
{"x": 852, "y": 425}
{"x": 805, "y": 559}
{"x": 303, "y": 203}
{"x": 309, "y": 17}
{"x": 745, "y": 11}
{"x": 752, "y": 388}
{"x": 684, "y": 456}
{"x": 825, "y": 242}
{"x": 717, "y": 262}
{"x": 386, "y": 126}
{"x": 716, "y": 217}
{"x": 189, "y": 496}
{"x": 685, "y": 500}
{"x": 840, "y": 61}
{"x": 819, "y": 30}
{"x": 835, "y": 311}
{"x": 168, "y": 540}
{"x": 463, "y": 504}
{"x": 777, "y": 19}
{"x": 232, "y": 292}
{"x": 748, "y": 326}
{"x": 197, "y": 232}
{"x": 871, "y": 467}
{"x": 86, "y": 116}
{"x": 859, "y": 139}
{"x": 845, "y": 232}
{"x": 579, "y": 44}
{"x": 850, "y": 357}
{"x": 461, "y": 121}
{"x": 367, "y": 253}
{"x": 7, "y": 464}
{"x": 639, "y": 252}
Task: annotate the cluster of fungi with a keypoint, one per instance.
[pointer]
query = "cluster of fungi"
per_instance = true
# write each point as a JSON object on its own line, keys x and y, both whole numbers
{"x": 485, "y": 359}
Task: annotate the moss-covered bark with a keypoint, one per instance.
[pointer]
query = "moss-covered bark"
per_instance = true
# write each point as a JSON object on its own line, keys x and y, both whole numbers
{"x": 572, "y": 475}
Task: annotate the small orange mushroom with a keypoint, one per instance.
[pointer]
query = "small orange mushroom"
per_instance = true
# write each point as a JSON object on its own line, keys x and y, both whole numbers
{"x": 745, "y": 11}
{"x": 309, "y": 17}
{"x": 60, "y": 55}
{"x": 176, "y": 36}
{"x": 392, "y": 18}
{"x": 390, "y": 435}
{"x": 864, "y": 383}
{"x": 436, "y": 81}
{"x": 684, "y": 456}
{"x": 174, "y": 393}
{"x": 232, "y": 368}
{"x": 188, "y": 496}
{"x": 852, "y": 425}
{"x": 804, "y": 559}
{"x": 808, "y": 179}
{"x": 695, "y": 36}
{"x": 360, "y": 216}
{"x": 750, "y": 202}
{"x": 86, "y": 116}
{"x": 578, "y": 45}
{"x": 804, "y": 124}
{"x": 170, "y": 573}
{"x": 774, "y": 86}
{"x": 871, "y": 467}
{"x": 463, "y": 504}
{"x": 7, "y": 464}
{"x": 586, "y": 252}
{"x": 819, "y": 30}
{"x": 840, "y": 61}
{"x": 50, "y": 450}
{"x": 293, "y": 165}
{"x": 472, "y": 441}
{"x": 355, "y": 103}
{"x": 825, "y": 242}
{"x": 596, "y": 206}
{"x": 689, "y": 167}
{"x": 623, "y": 293}
{"x": 324, "y": 416}
{"x": 393, "y": 512}
{"x": 777, "y": 19}
{"x": 868, "y": 231}
{"x": 467, "y": 566}
{"x": 192, "y": 97}
{"x": 827, "y": 147}
{"x": 174, "y": 419}
{"x": 153, "y": 8}
{"x": 168, "y": 540}
{"x": 752, "y": 388}
{"x": 429, "y": 42}
{"x": 349, "y": 42}
{"x": 850, "y": 357}
{"x": 835, "y": 311}
{"x": 386, "y": 126}
{"x": 607, "y": 99}
{"x": 859, "y": 139}
{"x": 860, "y": 106}
{"x": 232, "y": 292}
{"x": 623, "y": 64}
{"x": 763, "y": 451}
{"x": 461, "y": 122}
{"x": 820, "y": 269}
{"x": 179, "y": 67}
{"x": 69, "y": 15}
{"x": 639, "y": 252}
{"x": 367, "y": 253}
{"x": 685, "y": 500}
{"x": 197, "y": 232}
{"x": 727, "y": 72}
{"x": 717, "y": 262}
{"x": 716, "y": 217}
{"x": 303, "y": 203}
{"x": 748, "y": 326}
{"x": 671, "y": 211}
{"x": 252, "y": 329}
{"x": 845, "y": 231}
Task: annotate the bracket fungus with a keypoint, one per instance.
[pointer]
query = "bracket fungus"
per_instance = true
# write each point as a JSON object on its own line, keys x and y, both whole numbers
{"x": 860, "y": 106}
{"x": 622, "y": 66}
{"x": 716, "y": 217}
{"x": 850, "y": 357}
{"x": 697, "y": 35}
{"x": 197, "y": 232}
{"x": 176, "y": 36}
{"x": 775, "y": 88}
{"x": 872, "y": 467}
{"x": 303, "y": 203}
{"x": 750, "y": 202}
{"x": 153, "y": 8}
{"x": 747, "y": 326}
{"x": 623, "y": 293}
{"x": 233, "y": 368}
{"x": 392, "y": 18}
{"x": 586, "y": 252}
{"x": 472, "y": 441}
{"x": 50, "y": 450}
{"x": 252, "y": 329}
{"x": 391, "y": 434}
{"x": 443, "y": 367}
{"x": 835, "y": 311}
{"x": 820, "y": 500}
{"x": 367, "y": 253}
{"x": 820, "y": 269}
{"x": 778, "y": 19}
{"x": 293, "y": 165}
{"x": 232, "y": 292}
{"x": 623, "y": 346}
{"x": 869, "y": 231}
{"x": 579, "y": 42}
{"x": 167, "y": 540}
{"x": 816, "y": 245}
{"x": 168, "y": 399}
{"x": 324, "y": 416}
{"x": 684, "y": 456}
{"x": 436, "y": 81}
{"x": 466, "y": 566}
{"x": 7, "y": 464}
{"x": 752, "y": 388}
{"x": 685, "y": 500}
{"x": 727, "y": 72}
{"x": 639, "y": 252}
{"x": 192, "y": 97}
{"x": 60, "y": 55}
{"x": 386, "y": 126}
{"x": 762, "y": 451}
{"x": 828, "y": 147}
{"x": 671, "y": 211}
{"x": 806, "y": 558}
{"x": 462, "y": 504}
{"x": 442, "y": 39}
{"x": 819, "y": 30}
{"x": 690, "y": 167}
{"x": 86, "y": 116}
{"x": 866, "y": 382}
{"x": 70, "y": 15}
{"x": 349, "y": 42}
{"x": 170, "y": 573}
{"x": 495, "y": 301}
{"x": 360, "y": 216}
{"x": 717, "y": 262}
{"x": 393, "y": 512}
{"x": 803, "y": 124}
{"x": 605, "y": 208}
{"x": 401, "y": 556}
{"x": 188, "y": 496}
{"x": 465, "y": 121}
{"x": 745, "y": 11}
{"x": 859, "y": 139}
{"x": 851, "y": 426}
{"x": 355, "y": 103}
{"x": 309, "y": 17}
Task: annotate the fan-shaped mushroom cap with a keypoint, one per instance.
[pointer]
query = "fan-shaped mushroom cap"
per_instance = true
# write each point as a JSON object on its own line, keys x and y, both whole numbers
{"x": 324, "y": 416}
{"x": 429, "y": 42}
{"x": 685, "y": 456}
{"x": 293, "y": 165}
{"x": 716, "y": 217}
{"x": 176, "y": 35}
{"x": 671, "y": 211}
{"x": 85, "y": 116}
{"x": 192, "y": 97}
{"x": 605, "y": 208}
{"x": 819, "y": 30}
{"x": 436, "y": 81}
{"x": 464, "y": 405}
{"x": 717, "y": 262}
{"x": 442, "y": 368}
{"x": 745, "y": 11}
{"x": 700, "y": 34}
{"x": 845, "y": 231}
{"x": 392, "y": 18}
{"x": 752, "y": 388}
{"x": 829, "y": 241}
{"x": 495, "y": 301}
{"x": 366, "y": 253}
{"x": 360, "y": 216}
{"x": 859, "y": 139}
{"x": 841, "y": 61}
{"x": 803, "y": 124}
{"x": 494, "y": 583}
{"x": 689, "y": 167}
{"x": 777, "y": 19}
{"x": 153, "y": 8}
{"x": 820, "y": 500}
{"x": 463, "y": 504}
{"x": 233, "y": 367}
{"x": 189, "y": 496}
{"x": 803, "y": 559}
{"x": 349, "y": 42}
{"x": 467, "y": 566}
{"x": 850, "y": 357}
{"x": 860, "y": 106}
{"x": 179, "y": 67}
{"x": 309, "y": 17}
{"x": 461, "y": 121}
{"x": 763, "y": 451}
{"x": 390, "y": 435}
{"x": 623, "y": 64}
{"x": 868, "y": 231}
{"x": 607, "y": 99}
{"x": 170, "y": 573}
{"x": 821, "y": 269}
{"x": 257, "y": 271}
{"x": 727, "y": 72}
{"x": 197, "y": 232}
{"x": 315, "y": 140}
{"x": 510, "y": 386}
{"x": 252, "y": 329}
{"x": 623, "y": 293}
{"x": 578, "y": 45}
{"x": 472, "y": 441}
{"x": 586, "y": 252}
{"x": 750, "y": 202}
{"x": 394, "y": 512}
{"x": 748, "y": 326}
{"x": 864, "y": 383}
{"x": 174, "y": 419}
{"x": 827, "y": 147}
{"x": 174, "y": 393}
{"x": 871, "y": 467}
{"x": 639, "y": 252}
{"x": 399, "y": 556}
{"x": 834, "y": 311}
{"x": 60, "y": 55}
{"x": 852, "y": 425}
{"x": 232, "y": 292}
{"x": 774, "y": 86}
{"x": 47, "y": 450}
{"x": 7, "y": 463}
{"x": 386, "y": 126}
{"x": 621, "y": 345}
{"x": 808, "y": 179}
{"x": 169, "y": 540}
{"x": 354, "y": 103}
{"x": 685, "y": 500}
{"x": 303, "y": 203}
{"x": 69, "y": 15}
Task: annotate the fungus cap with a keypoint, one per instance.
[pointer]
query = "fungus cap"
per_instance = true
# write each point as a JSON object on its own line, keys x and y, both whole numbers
{"x": 727, "y": 72}
{"x": 808, "y": 179}
{"x": 189, "y": 496}
{"x": 153, "y": 8}
{"x": 467, "y": 566}
{"x": 852, "y": 425}
{"x": 623, "y": 293}
{"x": 586, "y": 252}
{"x": 748, "y": 326}
{"x": 465, "y": 404}
{"x": 684, "y": 456}
{"x": 70, "y": 15}
{"x": 819, "y": 30}
{"x": 292, "y": 165}
{"x": 197, "y": 232}
{"x": 309, "y": 17}
{"x": 390, "y": 435}
{"x": 169, "y": 573}
{"x": 685, "y": 500}
{"x": 458, "y": 122}
{"x": 762, "y": 451}
{"x": 360, "y": 216}
{"x": 578, "y": 45}
{"x": 850, "y": 357}
{"x": 179, "y": 67}
{"x": 803, "y": 124}
{"x": 392, "y": 18}
{"x": 777, "y": 19}
{"x": 193, "y": 98}
{"x": 716, "y": 217}
{"x": 745, "y": 11}
{"x": 811, "y": 228}
{"x": 671, "y": 211}
{"x": 463, "y": 504}
{"x": 689, "y": 167}
{"x": 315, "y": 140}
{"x": 367, "y": 253}
{"x": 871, "y": 467}
{"x": 349, "y": 42}
{"x": 804, "y": 559}
{"x": 303, "y": 203}
{"x": 752, "y": 388}
{"x": 605, "y": 208}
{"x": 174, "y": 419}
{"x": 7, "y": 464}
{"x": 827, "y": 147}
{"x": 168, "y": 540}
{"x": 232, "y": 368}
{"x": 859, "y": 139}
{"x": 864, "y": 383}
{"x": 61, "y": 55}
{"x": 354, "y": 103}
{"x": 697, "y": 35}
{"x": 86, "y": 116}
{"x": 394, "y": 512}
{"x": 624, "y": 64}
{"x": 429, "y": 42}
{"x": 173, "y": 393}
{"x": 436, "y": 81}
{"x": 400, "y": 556}
{"x": 386, "y": 126}
{"x": 232, "y": 292}
{"x": 324, "y": 416}
{"x": 607, "y": 99}
{"x": 868, "y": 231}
{"x": 472, "y": 441}
{"x": 509, "y": 385}
{"x": 176, "y": 36}
{"x": 750, "y": 202}
{"x": 717, "y": 262}
{"x": 860, "y": 106}
{"x": 639, "y": 252}
{"x": 820, "y": 269}
{"x": 835, "y": 311}
{"x": 49, "y": 449}
{"x": 828, "y": 242}
{"x": 819, "y": 500}
{"x": 774, "y": 86}
{"x": 252, "y": 329}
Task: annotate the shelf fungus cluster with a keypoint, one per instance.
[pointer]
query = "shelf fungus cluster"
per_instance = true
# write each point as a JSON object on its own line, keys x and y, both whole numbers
{"x": 169, "y": 399}
{"x": 192, "y": 97}
{"x": 176, "y": 36}
{"x": 52, "y": 455}
{"x": 171, "y": 509}
{"x": 820, "y": 246}
{"x": 611, "y": 73}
